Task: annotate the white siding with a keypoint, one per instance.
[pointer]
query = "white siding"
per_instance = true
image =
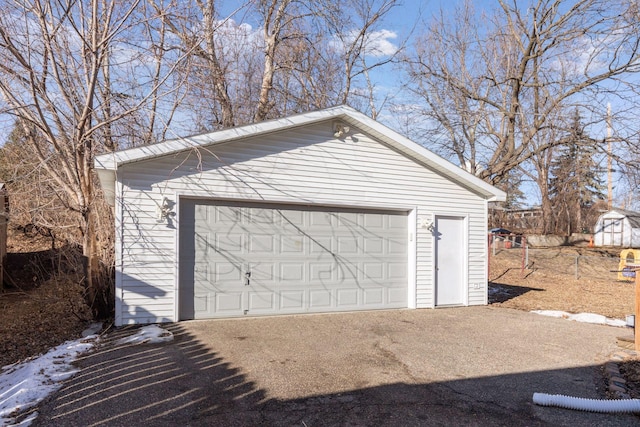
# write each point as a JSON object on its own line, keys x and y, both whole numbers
{"x": 306, "y": 165}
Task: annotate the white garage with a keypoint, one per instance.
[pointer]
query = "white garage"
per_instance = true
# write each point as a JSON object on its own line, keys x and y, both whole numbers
{"x": 319, "y": 212}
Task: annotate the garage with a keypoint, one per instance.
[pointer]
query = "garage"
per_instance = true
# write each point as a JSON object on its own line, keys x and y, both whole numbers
{"x": 260, "y": 259}
{"x": 318, "y": 212}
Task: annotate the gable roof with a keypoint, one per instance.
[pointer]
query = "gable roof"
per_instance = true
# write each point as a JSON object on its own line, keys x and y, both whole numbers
{"x": 107, "y": 164}
{"x": 633, "y": 217}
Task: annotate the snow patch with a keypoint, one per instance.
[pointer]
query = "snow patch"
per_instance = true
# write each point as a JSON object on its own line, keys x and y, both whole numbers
{"x": 151, "y": 334}
{"x": 582, "y": 317}
{"x": 24, "y": 384}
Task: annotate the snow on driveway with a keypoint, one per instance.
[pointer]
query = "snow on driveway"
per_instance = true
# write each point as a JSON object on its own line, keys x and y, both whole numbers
{"x": 25, "y": 384}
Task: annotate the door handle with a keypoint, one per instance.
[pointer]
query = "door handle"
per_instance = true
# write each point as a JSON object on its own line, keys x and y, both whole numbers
{"x": 247, "y": 278}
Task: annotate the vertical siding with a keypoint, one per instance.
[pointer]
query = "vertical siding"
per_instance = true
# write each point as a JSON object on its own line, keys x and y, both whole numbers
{"x": 306, "y": 166}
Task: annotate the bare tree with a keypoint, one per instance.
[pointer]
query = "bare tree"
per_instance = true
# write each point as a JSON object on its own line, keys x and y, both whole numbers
{"x": 265, "y": 58}
{"x": 63, "y": 77}
{"x": 276, "y": 19}
{"x": 489, "y": 82}
{"x": 223, "y": 69}
{"x": 356, "y": 29}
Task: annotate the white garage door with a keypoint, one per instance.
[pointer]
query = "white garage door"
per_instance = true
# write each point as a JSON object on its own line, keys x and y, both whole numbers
{"x": 250, "y": 259}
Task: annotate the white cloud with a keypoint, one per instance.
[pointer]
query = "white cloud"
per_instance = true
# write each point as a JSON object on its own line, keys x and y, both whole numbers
{"x": 377, "y": 43}
{"x": 586, "y": 55}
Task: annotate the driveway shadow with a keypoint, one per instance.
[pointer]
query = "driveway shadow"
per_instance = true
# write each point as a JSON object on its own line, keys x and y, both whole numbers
{"x": 501, "y": 292}
{"x": 177, "y": 383}
{"x": 185, "y": 383}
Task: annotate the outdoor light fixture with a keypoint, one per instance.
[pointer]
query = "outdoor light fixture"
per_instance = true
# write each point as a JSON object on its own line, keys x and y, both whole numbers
{"x": 163, "y": 210}
{"x": 428, "y": 224}
{"x": 340, "y": 129}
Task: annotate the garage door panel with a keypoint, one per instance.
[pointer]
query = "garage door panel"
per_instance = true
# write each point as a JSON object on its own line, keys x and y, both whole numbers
{"x": 397, "y": 247}
{"x": 262, "y": 301}
{"x": 320, "y": 272}
{"x": 320, "y": 220}
{"x": 258, "y": 216}
{"x": 373, "y": 297}
{"x": 346, "y": 272}
{"x": 373, "y": 221}
{"x": 201, "y": 272}
{"x": 397, "y": 222}
{"x": 261, "y": 244}
{"x": 348, "y": 245}
{"x": 321, "y": 245}
{"x": 222, "y": 215}
{"x": 229, "y": 302}
{"x": 291, "y": 244}
{"x": 374, "y": 271}
{"x": 201, "y": 303}
{"x": 292, "y": 272}
{"x": 397, "y": 297}
{"x": 202, "y": 245}
{"x": 320, "y": 299}
{"x": 292, "y": 300}
{"x": 227, "y": 242}
{"x": 397, "y": 271}
{"x": 292, "y": 220}
{"x": 226, "y": 272}
{"x": 374, "y": 246}
{"x": 347, "y": 221}
{"x": 250, "y": 260}
{"x": 262, "y": 273}
{"x": 346, "y": 298}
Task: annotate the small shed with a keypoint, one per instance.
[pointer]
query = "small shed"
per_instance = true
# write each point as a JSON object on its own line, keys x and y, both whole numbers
{"x": 318, "y": 212}
{"x": 618, "y": 227}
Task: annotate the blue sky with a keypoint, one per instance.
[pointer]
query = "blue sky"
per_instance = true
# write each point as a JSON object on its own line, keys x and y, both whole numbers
{"x": 404, "y": 22}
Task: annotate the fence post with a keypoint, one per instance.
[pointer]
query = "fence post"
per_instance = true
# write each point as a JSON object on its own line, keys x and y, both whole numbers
{"x": 577, "y": 266}
{"x": 489, "y": 257}
{"x": 636, "y": 328}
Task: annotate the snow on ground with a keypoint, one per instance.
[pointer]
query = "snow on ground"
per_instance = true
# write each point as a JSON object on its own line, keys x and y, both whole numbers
{"x": 582, "y": 317}
{"x": 151, "y": 334}
{"x": 24, "y": 384}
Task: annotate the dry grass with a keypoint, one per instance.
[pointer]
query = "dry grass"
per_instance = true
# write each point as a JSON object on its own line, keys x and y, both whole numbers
{"x": 42, "y": 305}
{"x": 550, "y": 283}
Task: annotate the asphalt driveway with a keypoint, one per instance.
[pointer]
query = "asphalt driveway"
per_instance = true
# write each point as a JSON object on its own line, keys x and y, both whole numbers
{"x": 463, "y": 366}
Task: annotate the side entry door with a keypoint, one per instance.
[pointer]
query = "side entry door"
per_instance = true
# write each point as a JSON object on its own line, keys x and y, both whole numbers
{"x": 450, "y": 254}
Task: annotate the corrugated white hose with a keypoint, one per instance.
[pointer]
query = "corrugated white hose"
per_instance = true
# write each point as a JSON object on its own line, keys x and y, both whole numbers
{"x": 591, "y": 405}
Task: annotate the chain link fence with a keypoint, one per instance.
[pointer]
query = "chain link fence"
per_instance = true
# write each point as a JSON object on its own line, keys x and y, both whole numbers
{"x": 577, "y": 262}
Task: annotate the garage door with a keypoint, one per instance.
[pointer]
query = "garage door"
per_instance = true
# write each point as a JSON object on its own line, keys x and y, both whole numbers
{"x": 250, "y": 259}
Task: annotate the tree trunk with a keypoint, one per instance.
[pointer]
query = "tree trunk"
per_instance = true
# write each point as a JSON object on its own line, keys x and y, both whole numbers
{"x": 547, "y": 216}
{"x": 96, "y": 283}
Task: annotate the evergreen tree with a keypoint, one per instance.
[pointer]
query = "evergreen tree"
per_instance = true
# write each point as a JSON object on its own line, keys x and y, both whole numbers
{"x": 575, "y": 181}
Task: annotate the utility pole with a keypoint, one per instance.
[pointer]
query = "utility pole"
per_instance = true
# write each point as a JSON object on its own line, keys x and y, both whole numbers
{"x": 609, "y": 160}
